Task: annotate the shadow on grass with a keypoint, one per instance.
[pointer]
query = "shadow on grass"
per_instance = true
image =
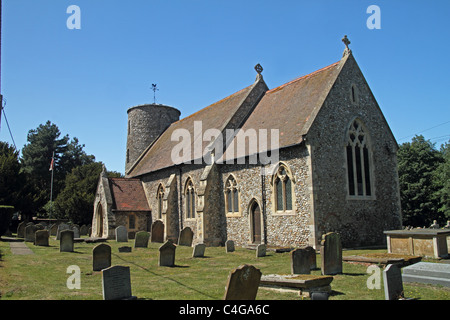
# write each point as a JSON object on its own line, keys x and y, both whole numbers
{"x": 166, "y": 277}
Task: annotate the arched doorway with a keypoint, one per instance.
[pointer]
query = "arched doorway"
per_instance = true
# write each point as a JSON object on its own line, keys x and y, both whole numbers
{"x": 255, "y": 216}
{"x": 99, "y": 221}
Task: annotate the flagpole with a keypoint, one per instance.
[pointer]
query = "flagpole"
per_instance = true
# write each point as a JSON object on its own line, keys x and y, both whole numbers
{"x": 51, "y": 185}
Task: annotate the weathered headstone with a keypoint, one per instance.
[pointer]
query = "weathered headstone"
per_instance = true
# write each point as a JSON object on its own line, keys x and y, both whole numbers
{"x": 21, "y": 230}
{"x": 61, "y": 227}
{"x": 101, "y": 257}
{"x": 199, "y": 250}
{"x": 83, "y": 230}
{"x": 312, "y": 257}
{"x": 116, "y": 283}
{"x": 30, "y": 233}
{"x": 186, "y": 237}
{"x": 76, "y": 231}
{"x": 301, "y": 261}
{"x": 229, "y": 246}
{"x": 331, "y": 252}
{"x": 158, "y": 231}
{"x": 141, "y": 239}
{"x": 393, "y": 282}
{"x": 41, "y": 238}
{"x": 243, "y": 283}
{"x": 261, "y": 250}
{"x": 66, "y": 241}
{"x": 121, "y": 234}
{"x": 53, "y": 229}
{"x": 167, "y": 254}
{"x": 40, "y": 226}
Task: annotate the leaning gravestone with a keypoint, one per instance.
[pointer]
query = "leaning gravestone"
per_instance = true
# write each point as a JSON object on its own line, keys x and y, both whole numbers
{"x": 261, "y": 250}
{"x": 331, "y": 252}
{"x": 301, "y": 261}
{"x": 41, "y": 238}
{"x": 199, "y": 251}
{"x": 158, "y": 231}
{"x": 393, "y": 283}
{"x": 186, "y": 237}
{"x": 229, "y": 246}
{"x": 30, "y": 233}
{"x": 101, "y": 257}
{"x": 66, "y": 241}
{"x": 121, "y": 234}
{"x": 53, "y": 229}
{"x": 116, "y": 283}
{"x": 243, "y": 283}
{"x": 21, "y": 230}
{"x": 141, "y": 239}
{"x": 167, "y": 254}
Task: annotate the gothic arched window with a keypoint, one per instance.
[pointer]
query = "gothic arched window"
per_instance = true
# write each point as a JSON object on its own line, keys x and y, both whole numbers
{"x": 160, "y": 197}
{"x": 283, "y": 189}
{"x": 358, "y": 161}
{"x": 189, "y": 193}
{"x": 231, "y": 195}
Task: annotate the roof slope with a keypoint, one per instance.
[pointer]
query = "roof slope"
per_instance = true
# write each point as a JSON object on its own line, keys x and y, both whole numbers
{"x": 217, "y": 115}
{"x": 128, "y": 195}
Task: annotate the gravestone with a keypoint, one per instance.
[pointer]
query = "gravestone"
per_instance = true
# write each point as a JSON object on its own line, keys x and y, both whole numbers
{"x": 428, "y": 272}
{"x": 41, "y": 238}
{"x": 40, "y": 226}
{"x": 21, "y": 230}
{"x": 30, "y": 233}
{"x": 101, "y": 257}
{"x": 141, "y": 239}
{"x": 186, "y": 237}
{"x": 261, "y": 250}
{"x": 331, "y": 252}
{"x": 125, "y": 249}
{"x": 61, "y": 227}
{"x": 167, "y": 254}
{"x": 53, "y": 229}
{"x": 229, "y": 246}
{"x": 199, "y": 251}
{"x": 301, "y": 261}
{"x": 83, "y": 230}
{"x": 312, "y": 257}
{"x": 243, "y": 283}
{"x": 121, "y": 234}
{"x": 116, "y": 283}
{"x": 158, "y": 231}
{"x": 66, "y": 241}
{"x": 393, "y": 282}
{"x": 76, "y": 231}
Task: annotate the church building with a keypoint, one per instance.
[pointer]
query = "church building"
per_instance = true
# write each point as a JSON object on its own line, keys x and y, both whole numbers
{"x": 279, "y": 166}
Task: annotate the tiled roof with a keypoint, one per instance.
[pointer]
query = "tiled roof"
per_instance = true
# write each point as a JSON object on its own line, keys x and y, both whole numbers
{"x": 128, "y": 195}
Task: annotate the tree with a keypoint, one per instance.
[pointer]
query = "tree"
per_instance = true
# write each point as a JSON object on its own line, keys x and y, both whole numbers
{"x": 36, "y": 158}
{"x": 442, "y": 181}
{"x": 417, "y": 162}
{"x": 9, "y": 174}
{"x": 75, "y": 202}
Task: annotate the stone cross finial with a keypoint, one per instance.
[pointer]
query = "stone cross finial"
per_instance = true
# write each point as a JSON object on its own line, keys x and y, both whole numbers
{"x": 346, "y": 42}
{"x": 259, "y": 68}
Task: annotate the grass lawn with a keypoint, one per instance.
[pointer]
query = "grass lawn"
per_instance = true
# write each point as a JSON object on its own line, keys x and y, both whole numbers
{"x": 43, "y": 275}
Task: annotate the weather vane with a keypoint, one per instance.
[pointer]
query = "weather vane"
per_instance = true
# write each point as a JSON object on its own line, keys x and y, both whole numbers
{"x": 154, "y": 88}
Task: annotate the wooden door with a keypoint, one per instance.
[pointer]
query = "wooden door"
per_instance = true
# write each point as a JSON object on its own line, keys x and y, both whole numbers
{"x": 256, "y": 223}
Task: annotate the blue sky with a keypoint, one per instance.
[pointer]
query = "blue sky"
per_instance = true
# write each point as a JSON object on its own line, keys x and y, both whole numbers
{"x": 200, "y": 51}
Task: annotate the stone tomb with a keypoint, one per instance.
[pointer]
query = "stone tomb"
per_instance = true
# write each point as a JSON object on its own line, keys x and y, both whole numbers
{"x": 428, "y": 272}
{"x": 121, "y": 234}
{"x": 141, "y": 239}
{"x": 331, "y": 253}
{"x": 101, "y": 257}
{"x": 157, "y": 232}
{"x": 167, "y": 254}
{"x": 116, "y": 283}
{"x": 41, "y": 238}
{"x": 393, "y": 283}
{"x": 66, "y": 241}
{"x": 243, "y": 283}
{"x": 305, "y": 284}
{"x": 186, "y": 237}
{"x": 229, "y": 246}
{"x": 199, "y": 251}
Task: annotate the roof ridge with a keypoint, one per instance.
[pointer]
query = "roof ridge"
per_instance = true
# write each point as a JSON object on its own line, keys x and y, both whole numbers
{"x": 302, "y": 77}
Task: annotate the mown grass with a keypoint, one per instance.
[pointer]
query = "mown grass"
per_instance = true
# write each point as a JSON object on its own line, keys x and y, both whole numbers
{"x": 43, "y": 275}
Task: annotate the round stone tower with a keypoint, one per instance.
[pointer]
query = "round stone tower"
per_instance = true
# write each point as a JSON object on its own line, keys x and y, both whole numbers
{"x": 145, "y": 124}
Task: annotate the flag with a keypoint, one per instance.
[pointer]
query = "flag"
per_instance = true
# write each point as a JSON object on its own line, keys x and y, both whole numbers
{"x": 52, "y": 164}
